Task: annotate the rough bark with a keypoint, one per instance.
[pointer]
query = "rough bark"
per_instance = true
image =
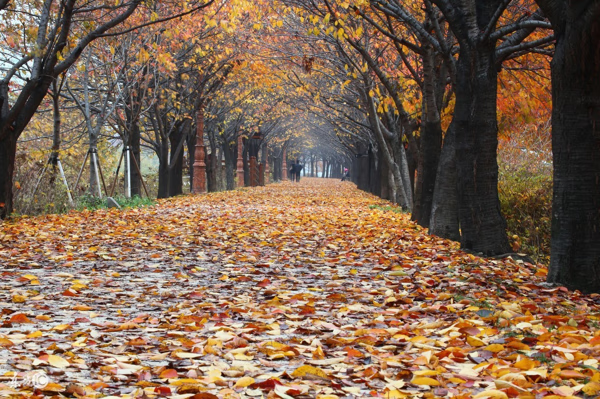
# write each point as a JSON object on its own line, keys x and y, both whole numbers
{"x": 163, "y": 169}
{"x": 444, "y": 210}
{"x": 575, "y": 243}
{"x": 230, "y": 165}
{"x": 8, "y": 150}
{"x": 176, "y": 161}
{"x": 430, "y": 140}
{"x": 483, "y": 229}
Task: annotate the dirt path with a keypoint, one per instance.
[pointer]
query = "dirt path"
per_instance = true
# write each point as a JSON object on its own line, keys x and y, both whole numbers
{"x": 293, "y": 290}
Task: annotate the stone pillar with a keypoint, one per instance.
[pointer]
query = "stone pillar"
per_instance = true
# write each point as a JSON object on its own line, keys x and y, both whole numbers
{"x": 199, "y": 183}
{"x": 266, "y": 163}
{"x": 240, "y": 163}
{"x": 284, "y": 175}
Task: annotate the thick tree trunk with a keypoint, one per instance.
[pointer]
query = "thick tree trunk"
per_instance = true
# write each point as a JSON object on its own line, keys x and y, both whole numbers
{"x": 163, "y": 169}
{"x": 8, "y": 150}
{"x": 176, "y": 164}
{"x": 575, "y": 244}
{"x": 230, "y": 165}
{"x": 483, "y": 229}
{"x": 430, "y": 140}
{"x": 431, "y": 144}
{"x": 444, "y": 209}
{"x": 401, "y": 168}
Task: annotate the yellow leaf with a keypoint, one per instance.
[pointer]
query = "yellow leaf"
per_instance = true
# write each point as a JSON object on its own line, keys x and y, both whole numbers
{"x": 526, "y": 363}
{"x": 35, "y": 334}
{"x": 394, "y": 394}
{"x": 57, "y": 361}
{"x": 423, "y": 373}
{"x": 475, "y": 342}
{"x": 425, "y": 381}
{"x": 244, "y": 382}
{"x": 494, "y": 348}
{"x": 591, "y": 388}
{"x": 309, "y": 371}
{"x": 492, "y": 394}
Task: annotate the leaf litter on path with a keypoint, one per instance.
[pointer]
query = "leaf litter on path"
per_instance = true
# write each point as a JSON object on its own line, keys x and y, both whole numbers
{"x": 300, "y": 290}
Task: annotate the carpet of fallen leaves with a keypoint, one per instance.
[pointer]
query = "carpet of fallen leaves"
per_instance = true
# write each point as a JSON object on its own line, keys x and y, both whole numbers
{"x": 288, "y": 291}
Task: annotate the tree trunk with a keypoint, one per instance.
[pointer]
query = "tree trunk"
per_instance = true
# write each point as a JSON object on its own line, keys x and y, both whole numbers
{"x": 176, "y": 162}
{"x": 230, "y": 164}
{"x": 482, "y": 226}
{"x": 444, "y": 209}
{"x": 575, "y": 244}
{"x": 94, "y": 160}
{"x": 191, "y": 145}
{"x": 163, "y": 169}
{"x": 54, "y": 155}
{"x": 8, "y": 150}
{"x": 135, "y": 153}
{"x": 430, "y": 140}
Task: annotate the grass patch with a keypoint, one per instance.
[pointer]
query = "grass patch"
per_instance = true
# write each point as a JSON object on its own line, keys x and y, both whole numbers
{"x": 92, "y": 203}
{"x": 387, "y": 208}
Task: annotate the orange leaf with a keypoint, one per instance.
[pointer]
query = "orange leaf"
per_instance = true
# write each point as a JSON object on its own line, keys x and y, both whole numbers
{"x": 168, "y": 374}
{"x": 20, "y": 318}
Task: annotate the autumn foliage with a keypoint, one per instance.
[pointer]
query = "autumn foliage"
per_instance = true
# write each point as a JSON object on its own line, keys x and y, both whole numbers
{"x": 307, "y": 290}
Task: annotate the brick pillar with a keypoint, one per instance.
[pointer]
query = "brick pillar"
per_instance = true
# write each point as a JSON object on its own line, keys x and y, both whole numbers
{"x": 261, "y": 174}
{"x": 284, "y": 175}
{"x": 240, "y": 163}
{"x": 266, "y": 163}
{"x": 199, "y": 183}
{"x": 253, "y": 174}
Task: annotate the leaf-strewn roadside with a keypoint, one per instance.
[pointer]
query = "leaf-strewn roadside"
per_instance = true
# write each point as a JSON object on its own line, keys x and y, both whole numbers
{"x": 304, "y": 290}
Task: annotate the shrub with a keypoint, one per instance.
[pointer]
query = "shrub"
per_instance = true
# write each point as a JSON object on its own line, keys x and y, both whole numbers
{"x": 525, "y": 191}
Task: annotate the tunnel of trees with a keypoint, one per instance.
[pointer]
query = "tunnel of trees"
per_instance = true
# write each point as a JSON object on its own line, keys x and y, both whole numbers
{"x": 413, "y": 98}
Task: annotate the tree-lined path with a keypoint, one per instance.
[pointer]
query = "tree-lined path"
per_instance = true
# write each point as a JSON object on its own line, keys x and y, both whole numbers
{"x": 313, "y": 289}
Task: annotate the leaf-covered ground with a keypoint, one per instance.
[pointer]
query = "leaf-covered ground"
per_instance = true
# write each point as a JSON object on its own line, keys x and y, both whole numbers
{"x": 293, "y": 290}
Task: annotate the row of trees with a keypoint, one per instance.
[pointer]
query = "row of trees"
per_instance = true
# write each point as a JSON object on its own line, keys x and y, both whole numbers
{"x": 391, "y": 70}
{"x": 144, "y": 76}
{"x": 411, "y": 86}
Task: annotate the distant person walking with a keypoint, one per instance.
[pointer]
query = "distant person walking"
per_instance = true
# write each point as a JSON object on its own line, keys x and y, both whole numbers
{"x": 298, "y": 169}
{"x": 292, "y": 172}
{"x": 346, "y": 174}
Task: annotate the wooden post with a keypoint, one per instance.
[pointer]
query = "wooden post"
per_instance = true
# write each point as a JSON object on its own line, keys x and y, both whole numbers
{"x": 240, "y": 164}
{"x": 199, "y": 183}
